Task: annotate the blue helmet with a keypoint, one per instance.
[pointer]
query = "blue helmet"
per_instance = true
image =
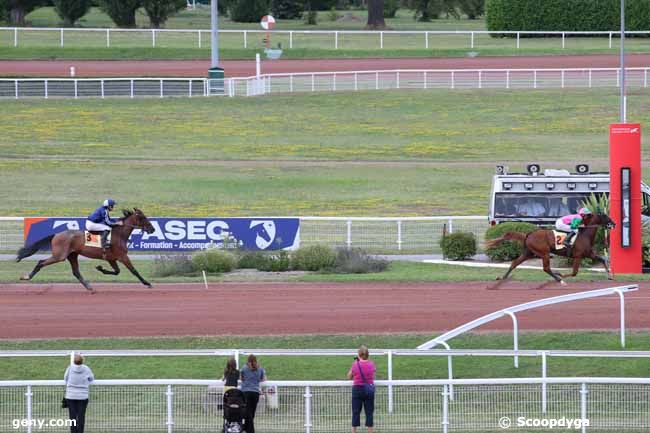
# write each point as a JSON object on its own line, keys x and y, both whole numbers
{"x": 109, "y": 202}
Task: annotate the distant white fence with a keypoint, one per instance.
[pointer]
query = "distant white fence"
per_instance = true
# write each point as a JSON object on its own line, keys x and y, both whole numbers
{"x": 323, "y": 39}
{"x": 408, "y": 234}
{"x": 346, "y": 81}
{"x": 609, "y": 404}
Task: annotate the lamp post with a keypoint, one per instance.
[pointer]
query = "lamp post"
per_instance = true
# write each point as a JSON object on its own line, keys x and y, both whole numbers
{"x": 623, "y": 97}
{"x": 214, "y": 34}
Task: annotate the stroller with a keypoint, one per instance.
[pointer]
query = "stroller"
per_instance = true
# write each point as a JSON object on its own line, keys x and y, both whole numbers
{"x": 234, "y": 409}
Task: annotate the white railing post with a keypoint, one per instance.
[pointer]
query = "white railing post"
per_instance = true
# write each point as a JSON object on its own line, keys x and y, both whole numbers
{"x": 245, "y": 39}
{"x": 61, "y": 37}
{"x": 610, "y": 39}
{"x": 308, "y": 395}
{"x": 356, "y": 83}
{"x": 161, "y": 88}
{"x": 622, "y": 300}
{"x": 349, "y": 234}
{"x": 76, "y": 89}
{"x": 515, "y": 335}
{"x": 590, "y": 78}
{"x": 198, "y": 32}
{"x": 290, "y": 38}
{"x": 336, "y": 40}
{"x": 535, "y": 79}
{"x": 424, "y": 79}
{"x": 153, "y": 37}
{"x": 426, "y": 40}
{"x": 618, "y": 78}
{"x": 334, "y": 83}
{"x": 28, "y": 401}
{"x": 313, "y": 86}
{"x": 397, "y": 79}
{"x": 131, "y": 89}
{"x": 517, "y": 40}
{"x": 563, "y": 42}
{"x": 472, "y": 40}
{"x": 583, "y": 405}
{"x": 376, "y": 80}
{"x": 544, "y": 375}
{"x": 480, "y": 79}
{"x": 390, "y": 381}
{"x": 645, "y": 78}
{"x": 15, "y": 36}
{"x": 189, "y": 92}
{"x": 291, "y": 83}
{"x": 450, "y": 370}
{"x": 102, "y": 86}
{"x": 236, "y": 356}
{"x": 108, "y": 38}
{"x": 170, "y": 407}
{"x": 381, "y": 40}
{"x": 453, "y": 80}
{"x": 399, "y": 235}
{"x": 450, "y": 225}
{"x": 445, "y": 409}
{"x": 46, "y": 89}
{"x": 562, "y": 79}
{"x": 508, "y": 79}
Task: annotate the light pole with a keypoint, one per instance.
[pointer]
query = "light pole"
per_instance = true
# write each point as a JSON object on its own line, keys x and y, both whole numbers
{"x": 214, "y": 34}
{"x": 623, "y": 97}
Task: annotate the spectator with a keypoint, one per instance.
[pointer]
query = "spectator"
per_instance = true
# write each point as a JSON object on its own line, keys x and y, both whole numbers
{"x": 77, "y": 381}
{"x": 362, "y": 372}
{"x": 230, "y": 375}
{"x": 251, "y": 376}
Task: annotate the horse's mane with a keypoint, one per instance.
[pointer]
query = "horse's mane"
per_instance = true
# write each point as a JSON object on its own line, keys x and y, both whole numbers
{"x": 127, "y": 213}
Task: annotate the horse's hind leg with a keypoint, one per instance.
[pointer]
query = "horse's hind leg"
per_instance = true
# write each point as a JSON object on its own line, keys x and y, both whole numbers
{"x": 546, "y": 261}
{"x": 115, "y": 271}
{"x": 74, "y": 264}
{"x": 40, "y": 265}
{"x": 525, "y": 255}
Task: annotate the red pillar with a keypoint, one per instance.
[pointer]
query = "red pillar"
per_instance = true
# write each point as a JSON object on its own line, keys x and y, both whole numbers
{"x": 625, "y": 152}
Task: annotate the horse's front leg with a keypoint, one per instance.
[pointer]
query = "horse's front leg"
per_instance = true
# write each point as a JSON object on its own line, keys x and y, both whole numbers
{"x": 576, "y": 267}
{"x": 127, "y": 262}
{"x": 605, "y": 261}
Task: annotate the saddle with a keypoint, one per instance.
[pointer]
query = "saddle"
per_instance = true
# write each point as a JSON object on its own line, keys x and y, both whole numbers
{"x": 94, "y": 239}
{"x": 559, "y": 239}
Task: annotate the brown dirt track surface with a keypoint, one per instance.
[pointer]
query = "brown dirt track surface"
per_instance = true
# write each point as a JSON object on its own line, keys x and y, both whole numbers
{"x": 238, "y": 68}
{"x": 67, "y": 311}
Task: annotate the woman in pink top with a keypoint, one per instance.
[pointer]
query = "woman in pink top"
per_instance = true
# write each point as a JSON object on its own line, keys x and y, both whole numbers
{"x": 362, "y": 373}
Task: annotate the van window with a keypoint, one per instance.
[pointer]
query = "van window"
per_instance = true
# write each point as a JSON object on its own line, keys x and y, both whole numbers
{"x": 536, "y": 205}
{"x": 645, "y": 209}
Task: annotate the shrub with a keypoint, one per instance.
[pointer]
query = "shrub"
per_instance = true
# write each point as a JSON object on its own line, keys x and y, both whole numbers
{"x": 390, "y": 8}
{"x": 332, "y": 15}
{"x": 645, "y": 236}
{"x": 565, "y": 15}
{"x": 250, "y": 259}
{"x": 214, "y": 261}
{"x": 248, "y": 11}
{"x": 314, "y": 258}
{"x": 159, "y": 10}
{"x": 508, "y": 250}
{"x": 165, "y": 266}
{"x": 310, "y": 17}
{"x": 277, "y": 262}
{"x": 472, "y": 8}
{"x": 458, "y": 246}
{"x": 71, "y": 10}
{"x": 357, "y": 261}
{"x": 122, "y": 12}
{"x": 287, "y": 9}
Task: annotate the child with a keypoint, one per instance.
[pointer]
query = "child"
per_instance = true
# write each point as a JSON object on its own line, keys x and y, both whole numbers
{"x": 230, "y": 375}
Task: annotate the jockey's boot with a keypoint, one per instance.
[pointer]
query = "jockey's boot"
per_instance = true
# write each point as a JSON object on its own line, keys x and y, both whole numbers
{"x": 567, "y": 243}
{"x": 105, "y": 244}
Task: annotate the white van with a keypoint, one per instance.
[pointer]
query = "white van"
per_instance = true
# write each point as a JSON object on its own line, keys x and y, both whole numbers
{"x": 542, "y": 197}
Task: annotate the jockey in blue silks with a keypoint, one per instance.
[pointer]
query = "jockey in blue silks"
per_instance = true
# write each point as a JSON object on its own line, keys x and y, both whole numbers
{"x": 101, "y": 221}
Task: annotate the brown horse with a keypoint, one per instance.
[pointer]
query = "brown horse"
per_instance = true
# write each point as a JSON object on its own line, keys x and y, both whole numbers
{"x": 541, "y": 243}
{"x": 70, "y": 244}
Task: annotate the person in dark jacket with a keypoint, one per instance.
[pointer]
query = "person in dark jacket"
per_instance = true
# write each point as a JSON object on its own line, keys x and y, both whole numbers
{"x": 101, "y": 221}
{"x": 230, "y": 375}
{"x": 78, "y": 378}
{"x": 251, "y": 377}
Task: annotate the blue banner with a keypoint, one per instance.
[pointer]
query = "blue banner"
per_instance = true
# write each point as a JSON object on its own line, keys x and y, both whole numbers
{"x": 188, "y": 234}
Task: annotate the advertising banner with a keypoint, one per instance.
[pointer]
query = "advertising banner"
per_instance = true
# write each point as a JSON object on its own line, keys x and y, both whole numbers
{"x": 189, "y": 234}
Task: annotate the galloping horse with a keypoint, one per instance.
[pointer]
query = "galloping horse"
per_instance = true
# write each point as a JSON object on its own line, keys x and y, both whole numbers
{"x": 541, "y": 243}
{"x": 70, "y": 244}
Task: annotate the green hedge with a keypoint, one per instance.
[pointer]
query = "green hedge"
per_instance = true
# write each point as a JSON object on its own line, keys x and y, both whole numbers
{"x": 566, "y": 15}
{"x": 458, "y": 246}
{"x": 508, "y": 250}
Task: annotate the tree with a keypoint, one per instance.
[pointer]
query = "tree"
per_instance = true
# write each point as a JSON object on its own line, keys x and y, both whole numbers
{"x": 472, "y": 8}
{"x": 159, "y": 10}
{"x": 376, "y": 15}
{"x": 248, "y": 11}
{"x": 71, "y": 10}
{"x": 18, "y": 9}
{"x": 287, "y": 9}
{"x": 122, "y": 12}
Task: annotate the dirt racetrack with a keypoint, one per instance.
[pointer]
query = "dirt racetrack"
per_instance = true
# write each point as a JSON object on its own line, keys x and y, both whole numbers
{"x": 66, "y": 310}
{"x": 238, "y": 68}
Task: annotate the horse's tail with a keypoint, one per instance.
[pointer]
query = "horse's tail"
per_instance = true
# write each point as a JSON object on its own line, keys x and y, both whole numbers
{"x": 29, "y": 250}
{"x": 510, "y": 236}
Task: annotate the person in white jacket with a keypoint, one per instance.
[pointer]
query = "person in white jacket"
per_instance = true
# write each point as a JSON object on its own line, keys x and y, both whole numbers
{"x": 78, "y": 378}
